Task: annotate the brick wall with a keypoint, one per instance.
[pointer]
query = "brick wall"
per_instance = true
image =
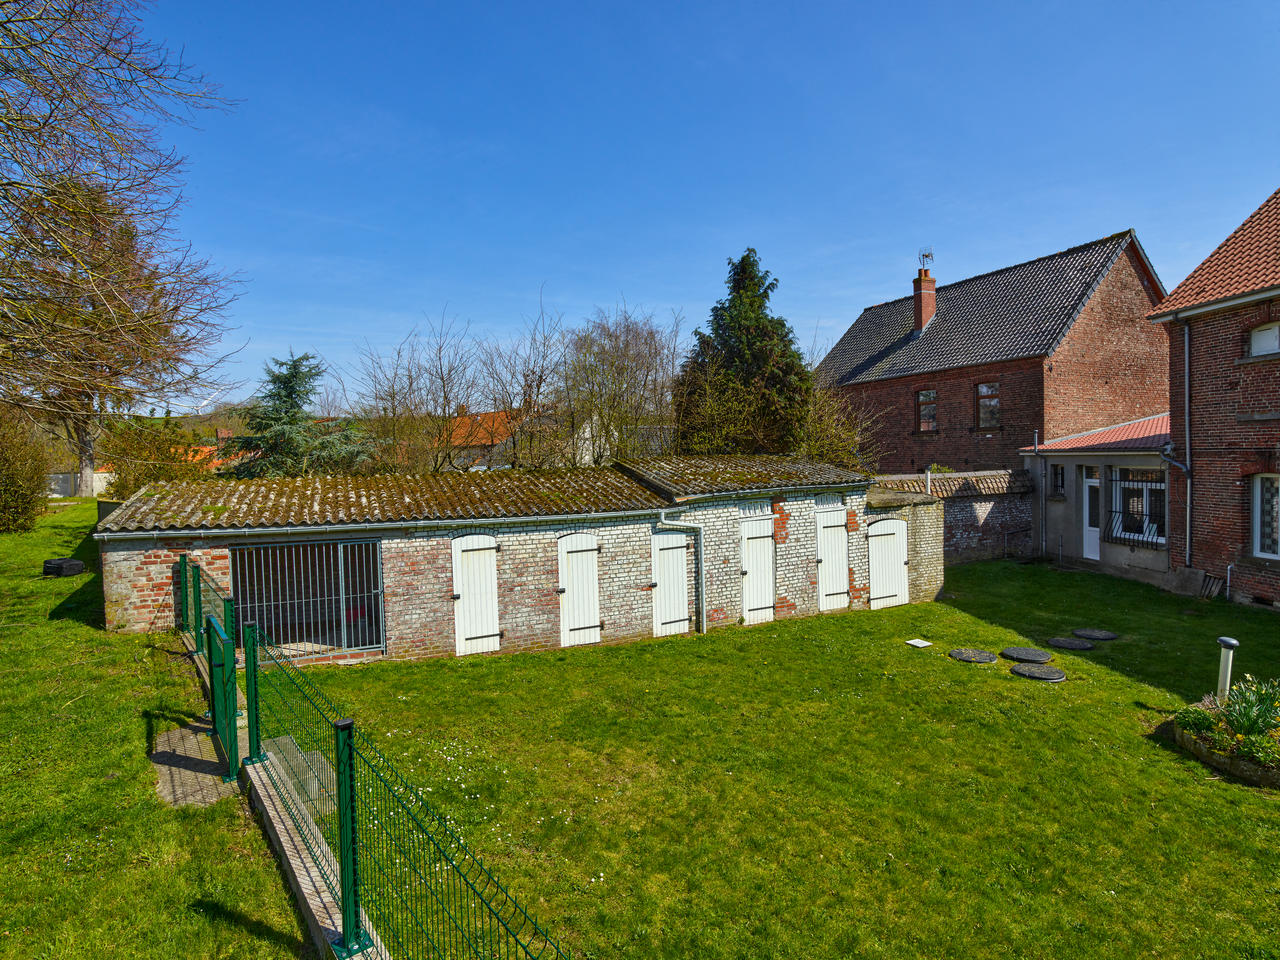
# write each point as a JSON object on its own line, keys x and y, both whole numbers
{"x": 1109, "y": 368}
{"x": 418, "y": 576}
{"x": 957, "y": 442}
{"x": 1235, "y": 433}
{"x": 1113, "y": 365}
{"x": 984, "y": 514}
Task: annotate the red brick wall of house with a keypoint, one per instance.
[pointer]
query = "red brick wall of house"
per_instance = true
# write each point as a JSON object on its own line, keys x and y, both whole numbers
{"x": 957, "y": 443}
{"x": 1113, "y": 365}
{"x": 1235, "y": 433}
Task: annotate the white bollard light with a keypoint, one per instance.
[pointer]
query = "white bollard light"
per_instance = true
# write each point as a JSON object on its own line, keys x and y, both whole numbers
{"x": 1228, "y": 646}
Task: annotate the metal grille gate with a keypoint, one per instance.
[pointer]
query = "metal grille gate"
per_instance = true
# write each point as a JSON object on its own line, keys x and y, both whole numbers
{"x": 313, "y": 599}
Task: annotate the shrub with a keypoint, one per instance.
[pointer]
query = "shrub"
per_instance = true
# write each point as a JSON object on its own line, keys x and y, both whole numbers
{"x": 1195, "y": 719}
{"x": 1252, "y": 707}
{"x": 145, "y": 450}
{"x": 24, "y": 474}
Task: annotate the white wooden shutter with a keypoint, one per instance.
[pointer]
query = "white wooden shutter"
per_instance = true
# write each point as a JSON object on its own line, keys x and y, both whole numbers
{"x": 475, "y": 594}
{"x": 887, "y": 546}
{"x": 833, "y": 558}
{"x": 579, "y": 589}
{"x": 757, "y": 562}
{"x": 670, "y": 583}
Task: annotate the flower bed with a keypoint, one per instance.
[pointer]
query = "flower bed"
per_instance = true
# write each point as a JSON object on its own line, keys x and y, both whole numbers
{"x": 1240, "y": 735}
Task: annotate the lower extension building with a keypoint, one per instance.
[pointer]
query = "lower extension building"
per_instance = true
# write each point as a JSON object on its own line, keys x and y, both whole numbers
{"x": 501, "y": 561}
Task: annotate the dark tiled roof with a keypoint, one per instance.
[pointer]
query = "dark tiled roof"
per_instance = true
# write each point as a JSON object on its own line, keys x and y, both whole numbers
{"x": 1248, "y": 261}
{"x": 1020, "y": 311}
{"x": 1136, "y": 436}
{"x": 981, "y": 483}
{"x": 315, "y": 501}
{"x": 684, "y": 477}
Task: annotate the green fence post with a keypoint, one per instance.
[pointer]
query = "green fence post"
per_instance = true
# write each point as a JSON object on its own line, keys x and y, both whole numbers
{"x": 198, "y": 602}
{"x": 227, "y": 712}
{"x": 251, "y": 691}
{"x": 353, "y": 939}
{"x": 182, "y": 594}
{"x": 215, "y": 672}
{"x": 229, "y": 628}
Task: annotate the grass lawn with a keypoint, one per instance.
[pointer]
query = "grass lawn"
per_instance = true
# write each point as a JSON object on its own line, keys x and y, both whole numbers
{"x": 818, "y": 789}
{"x": 92, "y": 864}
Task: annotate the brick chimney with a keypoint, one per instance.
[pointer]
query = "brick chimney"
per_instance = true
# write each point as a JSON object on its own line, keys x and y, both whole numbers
{"x": 925, "y": 300}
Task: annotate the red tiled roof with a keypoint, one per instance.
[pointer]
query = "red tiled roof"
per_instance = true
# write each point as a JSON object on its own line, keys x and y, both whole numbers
{"x": 1245, "y": 262}
{"x": 1149, "y": 433}
{"x": 486, "y": 429}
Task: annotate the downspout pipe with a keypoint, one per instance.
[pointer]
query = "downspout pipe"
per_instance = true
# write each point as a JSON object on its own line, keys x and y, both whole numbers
{"x": 1186, "y": 429}
{"x": 1044, "y": 497}
{"x": 688, "y": 526}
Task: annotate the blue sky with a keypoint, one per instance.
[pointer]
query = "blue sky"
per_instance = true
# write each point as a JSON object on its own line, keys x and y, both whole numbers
{"x": 398, "y": 161}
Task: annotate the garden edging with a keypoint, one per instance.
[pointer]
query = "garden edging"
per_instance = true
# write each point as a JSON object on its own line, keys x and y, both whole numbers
{"x": 1242, "y": 769}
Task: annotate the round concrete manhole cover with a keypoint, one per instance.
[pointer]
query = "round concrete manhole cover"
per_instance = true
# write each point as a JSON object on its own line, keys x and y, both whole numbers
{"x": 1026, "y": 654}
{"x": 1069, "y": 643}
{"x": 1038, "y": 671}
{"x": 1089, "y": 633}
{"x": 970, "y": 655}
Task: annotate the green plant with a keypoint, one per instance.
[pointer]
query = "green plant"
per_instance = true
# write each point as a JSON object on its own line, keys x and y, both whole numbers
{"x": 940, "y": 468}
{"x": 1261, "y": 749}
{"x": 1195, "y": 719}
{"x": 24, "y": 469}
{"x": 1252, "y": 706}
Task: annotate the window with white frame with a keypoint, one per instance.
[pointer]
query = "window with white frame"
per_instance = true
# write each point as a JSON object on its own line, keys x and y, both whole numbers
{"x": 1266, "y": 515}
{"x": 1265, "y": 339}
{"x": 1137, "y": 506}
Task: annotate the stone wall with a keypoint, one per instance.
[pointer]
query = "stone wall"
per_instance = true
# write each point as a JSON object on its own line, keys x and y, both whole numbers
{"x": 986, "y": 514}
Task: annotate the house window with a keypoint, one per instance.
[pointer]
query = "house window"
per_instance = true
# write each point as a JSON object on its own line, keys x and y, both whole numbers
{"x": 1137, "y": 506}
{"x": 1265, "y": 339}
{"x": 988, "y": 406}
{"x": 1057, "y": 479}
{"x": 927, "y": 411}
{"x": 1266, "y": 515}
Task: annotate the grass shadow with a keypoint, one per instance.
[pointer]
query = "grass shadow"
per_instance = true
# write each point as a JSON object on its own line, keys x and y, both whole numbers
{"x": 156, "y": 719}
{"x": 221, "y": 913}
{"x": 84, "y": 605}
{"x": 1166, "y": 640}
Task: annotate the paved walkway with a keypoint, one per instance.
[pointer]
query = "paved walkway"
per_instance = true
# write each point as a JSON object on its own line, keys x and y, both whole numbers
{"x": 188, "y": 769}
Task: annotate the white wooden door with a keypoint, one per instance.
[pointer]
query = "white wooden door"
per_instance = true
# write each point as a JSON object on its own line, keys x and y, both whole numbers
{"x": 833, "y": 558}
{"x": 579, "y": 589}
{"x": 475, "y": 594}
{"x": 757, "y": 563}
{"x": 670, "y": 585}
{"x": 887, "y": 546}
{"x": 1092, "y": 507}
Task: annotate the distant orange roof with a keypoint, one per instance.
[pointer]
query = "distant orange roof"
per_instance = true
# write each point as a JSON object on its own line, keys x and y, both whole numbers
{"x": 1246, "y": 262}
{"x": 1136, "y": 436}
{"x": 485, "y": 429}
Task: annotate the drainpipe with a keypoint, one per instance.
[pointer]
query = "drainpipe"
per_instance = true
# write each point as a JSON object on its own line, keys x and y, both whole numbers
{"x": 1035, "y": 441}
{"x": 1186, "y": 427}
{"x": 689, "y": 526}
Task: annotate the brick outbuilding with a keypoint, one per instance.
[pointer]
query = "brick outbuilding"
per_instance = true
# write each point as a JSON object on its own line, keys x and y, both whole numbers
{"x": 1224, "y": 410}
{"x": 963, "y": 375}
{"x": 502, "y": 561}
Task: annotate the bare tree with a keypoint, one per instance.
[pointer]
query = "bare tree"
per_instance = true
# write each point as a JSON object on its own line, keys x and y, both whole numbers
{"x": 618, "y": 374}
{"x": 523, "y": 377}
{"x": 83, "y": 95}
{"x": 839, "y": 428}
{"x": 416, "y": 399}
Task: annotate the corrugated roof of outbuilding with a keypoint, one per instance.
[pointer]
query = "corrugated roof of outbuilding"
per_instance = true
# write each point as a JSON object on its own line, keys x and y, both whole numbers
{"x": 322, "y": 501}
{"x": 979, "y": 483}
{"x": 688, "y": 476}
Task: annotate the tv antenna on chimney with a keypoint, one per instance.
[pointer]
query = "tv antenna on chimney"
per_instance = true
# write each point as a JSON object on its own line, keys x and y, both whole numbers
{"x": 925, "y": 256}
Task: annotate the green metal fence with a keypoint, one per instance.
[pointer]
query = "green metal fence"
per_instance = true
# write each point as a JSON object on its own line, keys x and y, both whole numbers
{"x": 206, "y": 616}
{"x": 404, "y": 879}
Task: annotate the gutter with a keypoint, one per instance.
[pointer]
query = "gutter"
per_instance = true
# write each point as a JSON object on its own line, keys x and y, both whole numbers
{"x": 696, "y": 529}
{"x": 410, "y": 527}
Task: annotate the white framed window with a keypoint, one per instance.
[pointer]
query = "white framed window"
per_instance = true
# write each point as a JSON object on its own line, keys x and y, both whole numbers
{"x": 1137, "y": 506}
{"x": 1266, "y": 515}
{"x": 1265, "y": 339}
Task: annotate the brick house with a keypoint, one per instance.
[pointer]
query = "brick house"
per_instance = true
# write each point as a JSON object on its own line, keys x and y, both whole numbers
{"x": 965, "y": 374}
{"x": 1224, "y": 407}
{"x": 502, "y": 561}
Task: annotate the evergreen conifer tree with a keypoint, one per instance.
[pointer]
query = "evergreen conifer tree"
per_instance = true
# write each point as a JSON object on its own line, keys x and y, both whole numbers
{"x": 744, "y": 388}
{"x": 284, "y": 439}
